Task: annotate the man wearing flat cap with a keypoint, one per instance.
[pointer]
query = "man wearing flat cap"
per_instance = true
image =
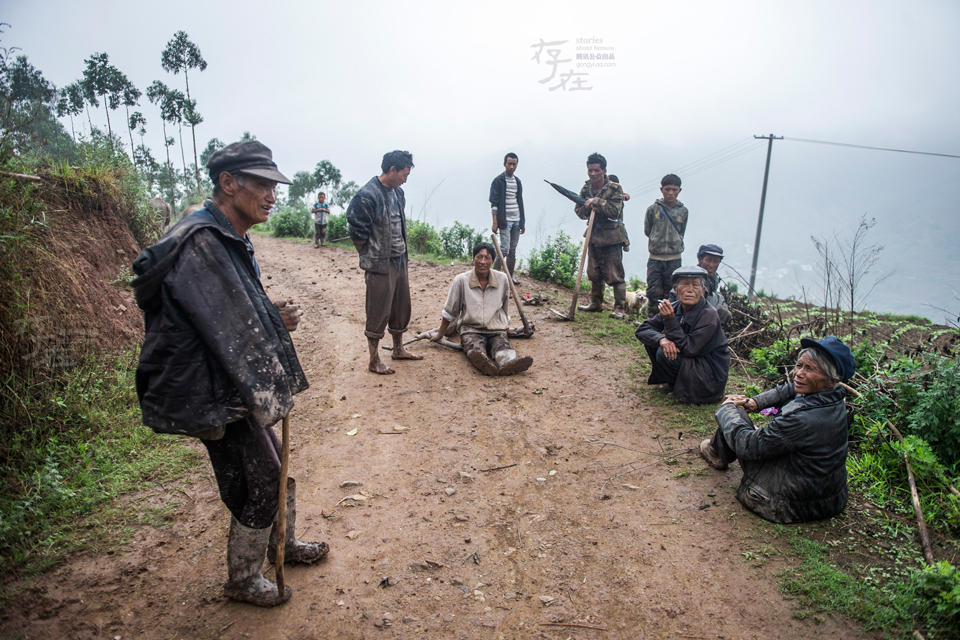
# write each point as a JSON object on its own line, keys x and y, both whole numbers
{"x": 218, "y": 363}
{"x": 709, "y": 257}
{"x": 686, "y": 344}
{"x": 795, "y": 465}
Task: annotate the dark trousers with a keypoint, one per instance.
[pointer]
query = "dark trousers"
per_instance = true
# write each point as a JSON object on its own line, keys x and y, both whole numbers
{"x": 605, "y": 264}
{"x": 668, "y": 368}
{"x": 725, "y": 451}
{"x": 388, "y": 300}
{"x": 246, "y": 463}
{"x": 659, "y": 275}
{"x": 319, "y": 232}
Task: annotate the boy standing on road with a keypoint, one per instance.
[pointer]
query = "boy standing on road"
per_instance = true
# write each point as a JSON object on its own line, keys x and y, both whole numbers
{"x": 320, "y": 212}
{"x": 664, "y": 225}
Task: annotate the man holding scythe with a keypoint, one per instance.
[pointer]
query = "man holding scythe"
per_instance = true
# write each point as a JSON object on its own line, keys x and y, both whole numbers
{"x": 218, "y": 363}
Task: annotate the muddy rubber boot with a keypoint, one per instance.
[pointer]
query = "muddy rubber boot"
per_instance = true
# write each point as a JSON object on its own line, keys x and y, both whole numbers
{"x": 482, "y": 362}
{"x": 294, "y": 551}
{"x": 245, "y": 550}
{"x": 508, "y": 363}
{"x": 619, "y": 301}
{"x": 596, "y": 297}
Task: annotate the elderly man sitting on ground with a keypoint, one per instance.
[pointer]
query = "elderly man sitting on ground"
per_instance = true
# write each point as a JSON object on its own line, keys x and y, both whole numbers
{"x": 794, "y": 468}
{"x": 477, "y": 304}
{"x": 686, "y": 345}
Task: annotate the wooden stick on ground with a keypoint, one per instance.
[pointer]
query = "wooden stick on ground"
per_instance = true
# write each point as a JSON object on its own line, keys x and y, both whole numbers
{"x": 527, "y": 329}
{"x": 21, "y": 176}
{"x": 914, "y": 494}
{"x": 583, "y": 261}
{"x": 282, "y": 506}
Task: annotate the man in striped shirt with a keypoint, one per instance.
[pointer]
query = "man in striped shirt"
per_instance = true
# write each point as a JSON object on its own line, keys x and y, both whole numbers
{"x": 506, "y": 207}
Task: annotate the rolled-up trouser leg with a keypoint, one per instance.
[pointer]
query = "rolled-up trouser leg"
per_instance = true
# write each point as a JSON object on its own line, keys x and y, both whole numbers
{"x": 246, "y": 463}
{"x": 388, "y": 300}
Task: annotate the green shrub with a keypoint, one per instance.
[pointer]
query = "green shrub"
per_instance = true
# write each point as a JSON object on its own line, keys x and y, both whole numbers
{"x": 773, "y": 362}
{"x": 423, "y": 238}
{"x": 935, "y": 416}
{"x": 336, "y": 227}
{"x": 291, "y": 222}
{"x": 556, "y": 261}
{"x": 939, "y": 588}
{"x": 458, "y": 240}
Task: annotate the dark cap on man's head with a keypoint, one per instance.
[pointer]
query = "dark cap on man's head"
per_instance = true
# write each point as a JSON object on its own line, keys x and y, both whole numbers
{"x": 709, "y": 250}
{"x": 251, "y": 157}
{"x": 693, "y": 271}
{"x": 839, "y": 353}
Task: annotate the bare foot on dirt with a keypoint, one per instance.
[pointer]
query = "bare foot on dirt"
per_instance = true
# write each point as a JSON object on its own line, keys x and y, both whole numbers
{"x": 403, "y": 354}
{"x": 377, "y": 366}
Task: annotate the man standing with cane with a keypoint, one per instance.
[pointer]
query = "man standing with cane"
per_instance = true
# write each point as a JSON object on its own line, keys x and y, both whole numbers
{"x": 218, "y": 363}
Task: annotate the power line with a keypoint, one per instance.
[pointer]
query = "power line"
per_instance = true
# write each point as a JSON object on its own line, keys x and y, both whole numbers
{"x": 863, "y": 146}
{"x": 706, "y": 162}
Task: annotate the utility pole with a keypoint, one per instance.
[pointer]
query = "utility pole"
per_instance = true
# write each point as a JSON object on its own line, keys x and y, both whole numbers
{"x": 763, "y": 198}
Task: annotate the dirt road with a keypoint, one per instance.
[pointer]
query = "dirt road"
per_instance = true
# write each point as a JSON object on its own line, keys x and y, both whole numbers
{"x": 488, "y": 507}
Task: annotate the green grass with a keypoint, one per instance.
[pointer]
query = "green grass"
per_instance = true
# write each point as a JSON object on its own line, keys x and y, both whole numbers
{"x": 820, "y": 587}
{"x": 85, "y": 448}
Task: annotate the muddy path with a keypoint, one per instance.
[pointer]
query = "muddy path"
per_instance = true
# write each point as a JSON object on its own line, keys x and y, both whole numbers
{"x": 537, "y": 506}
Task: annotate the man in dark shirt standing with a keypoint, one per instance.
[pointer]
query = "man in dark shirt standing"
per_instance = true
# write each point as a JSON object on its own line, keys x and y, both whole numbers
{"x": 378, "y": 229}
{"x": 506, "y": 207}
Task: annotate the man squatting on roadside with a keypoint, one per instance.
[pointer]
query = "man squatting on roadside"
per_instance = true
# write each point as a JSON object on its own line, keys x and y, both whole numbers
{"x": 477, "y": 304}
{"x": 378, "y": 228}
{"x": 218, "y": 363}
{"x": 795, "y": 466}
{"x": 686, "y": 345}
{"x": 605, "y": 253}
{"x": 506, "y": 207}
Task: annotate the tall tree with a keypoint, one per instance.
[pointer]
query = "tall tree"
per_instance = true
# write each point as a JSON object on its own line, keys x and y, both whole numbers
{"x": 27, "y": 110}
{"x": 103, "y": 81}
{"x": 70, "y": 103}
{"x": 130, "y": 96}
{"x": 304, "y": 183}
{"x": 157, "y": 94}
{"x": 181, "y": 54}
{"x": 327, "y": 175}
{"x": 174, "y": 108}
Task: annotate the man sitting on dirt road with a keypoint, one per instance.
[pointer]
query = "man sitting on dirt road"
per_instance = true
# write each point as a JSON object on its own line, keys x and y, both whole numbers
{"x": 477, "y": 304}
{"x": 687, "y": 348}
{"x": 378, "y": 229}
{"x": 795, "y": 466}
{"x": 218, "y": 363}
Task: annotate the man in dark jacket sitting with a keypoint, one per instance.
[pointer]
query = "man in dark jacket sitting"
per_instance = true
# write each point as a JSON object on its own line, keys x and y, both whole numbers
{"x": 218, "y": 363}
{"x": 794, "y": 468}
{"x": 685, "y": 342}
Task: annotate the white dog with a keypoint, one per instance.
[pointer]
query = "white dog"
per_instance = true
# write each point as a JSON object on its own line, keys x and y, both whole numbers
{"x": 635, "y": 301}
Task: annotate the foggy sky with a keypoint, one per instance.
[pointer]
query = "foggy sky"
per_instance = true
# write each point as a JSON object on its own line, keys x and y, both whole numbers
{"x": 459, "y": 88}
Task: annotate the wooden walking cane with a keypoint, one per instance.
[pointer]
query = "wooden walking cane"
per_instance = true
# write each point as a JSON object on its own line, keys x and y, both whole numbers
{"x": 583, "y": 261}
{"x": 282, "y": 507}
{"x": 527, "y": 327}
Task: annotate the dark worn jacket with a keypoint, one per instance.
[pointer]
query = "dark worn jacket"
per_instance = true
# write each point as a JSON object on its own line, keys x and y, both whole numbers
{"x": 215, "y": 348}
{"x": 368, "y": 221}
{"x": 794, "y": 468}
{"x": 608, "y": 223}
{"x": 704, "y": 356}
{"x": 498, "y": 198}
